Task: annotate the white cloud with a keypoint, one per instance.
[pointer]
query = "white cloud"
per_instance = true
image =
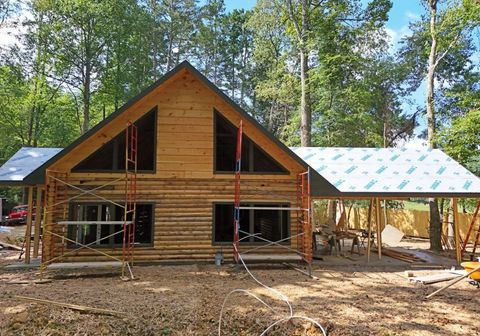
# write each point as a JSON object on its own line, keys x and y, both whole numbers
{"x": 412, "y": 16}
{"x": 395, "y": 35}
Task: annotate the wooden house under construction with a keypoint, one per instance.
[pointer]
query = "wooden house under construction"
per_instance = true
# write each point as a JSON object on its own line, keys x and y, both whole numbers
{"x": 161, "y": 180}
{"x": 170, "y": 153}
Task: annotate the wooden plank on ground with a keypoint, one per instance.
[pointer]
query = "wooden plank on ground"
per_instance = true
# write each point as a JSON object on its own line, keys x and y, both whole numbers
{"x": 11, "y": 246}
{"x": 434, "y": 278}
{"x": 85, "y": 309}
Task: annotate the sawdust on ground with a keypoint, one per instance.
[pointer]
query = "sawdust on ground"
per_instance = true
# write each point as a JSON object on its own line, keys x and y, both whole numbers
{"x": 186, "y": 300}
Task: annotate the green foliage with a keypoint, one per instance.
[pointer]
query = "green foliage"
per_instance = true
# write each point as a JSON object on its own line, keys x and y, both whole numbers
{"x": 462, "y": 140}
{"x": 80, "y": 60}
{"x": 456, "y": 75}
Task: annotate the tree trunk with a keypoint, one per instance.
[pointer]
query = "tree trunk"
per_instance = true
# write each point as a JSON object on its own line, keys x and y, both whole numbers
{"x": 435, "y": 222}
{"x": 302, "y": 29}
{"x": 306, "y": 113}
{"x": 86, "y": 98}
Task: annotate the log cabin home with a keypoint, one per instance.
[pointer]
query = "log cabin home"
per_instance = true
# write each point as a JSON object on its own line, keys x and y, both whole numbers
{"x": 185, "y": 131}
{"x": 168, "y": 159}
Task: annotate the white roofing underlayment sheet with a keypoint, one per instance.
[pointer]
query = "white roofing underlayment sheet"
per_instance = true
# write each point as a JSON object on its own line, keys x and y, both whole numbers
{"x": 389, "y": 170}
{"x": 25, "y": 161}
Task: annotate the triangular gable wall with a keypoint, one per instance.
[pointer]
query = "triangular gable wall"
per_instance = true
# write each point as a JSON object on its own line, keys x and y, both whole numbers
{"x": 183, "y": 94}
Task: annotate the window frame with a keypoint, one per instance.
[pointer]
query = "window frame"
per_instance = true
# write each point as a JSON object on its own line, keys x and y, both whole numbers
{"x": 71, "y": 245}
{"x": 116, "y": 151}
{"x": 250, "y": 154}
{"x": 252, "y": 222}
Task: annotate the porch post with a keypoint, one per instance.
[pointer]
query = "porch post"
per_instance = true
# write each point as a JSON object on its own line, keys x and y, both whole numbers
{"x": 28, "y": 230}
{"x": 38, "y": 221}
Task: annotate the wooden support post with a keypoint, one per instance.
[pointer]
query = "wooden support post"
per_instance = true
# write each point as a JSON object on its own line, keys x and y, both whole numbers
{"x": 456, "y": 228}
{"x": 369, "y": 241}
{"x": 385, "y": 214}
{"x": 379, "y": 231}
{"x": 28, "y": 230}
{"x": 38, "y": 221}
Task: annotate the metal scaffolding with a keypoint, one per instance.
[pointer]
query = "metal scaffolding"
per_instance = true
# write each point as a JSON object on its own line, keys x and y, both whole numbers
{"x": 303, "y": 250}
{"x": 59, "y": 227}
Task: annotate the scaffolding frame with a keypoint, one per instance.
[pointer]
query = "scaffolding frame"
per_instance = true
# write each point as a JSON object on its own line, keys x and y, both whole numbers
{"x": 471, "y": 228}
{"x": 56, "y": 211}
{"x": 303, "y": 251}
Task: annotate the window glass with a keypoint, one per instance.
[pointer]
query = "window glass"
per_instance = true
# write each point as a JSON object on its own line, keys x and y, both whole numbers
{"x": 254, "y": 159}
{"x": 111, "y": 156}
{"x": 269, "y": 224}
{"x": 102, "y": 235}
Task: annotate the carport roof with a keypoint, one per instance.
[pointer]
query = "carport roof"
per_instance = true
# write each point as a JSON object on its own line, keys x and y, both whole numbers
{"x": 389, "y": 172}
{"x": 24, "y": 162}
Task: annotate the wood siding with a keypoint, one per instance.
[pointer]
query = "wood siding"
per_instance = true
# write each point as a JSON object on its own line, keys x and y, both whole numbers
{"x": 184, "y": 186}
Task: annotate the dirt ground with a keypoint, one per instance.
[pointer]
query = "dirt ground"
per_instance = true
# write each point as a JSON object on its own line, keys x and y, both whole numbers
{"x": 186, "y": 300}
{"x": 348, "y": 298}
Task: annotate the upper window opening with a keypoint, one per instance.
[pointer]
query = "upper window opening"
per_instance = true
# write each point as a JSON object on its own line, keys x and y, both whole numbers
{"x": 254, "y": 159}
{"x": 111, "y": 156}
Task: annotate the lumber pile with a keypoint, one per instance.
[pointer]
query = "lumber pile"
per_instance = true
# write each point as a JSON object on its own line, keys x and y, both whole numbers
{"x": 400, "y": 255}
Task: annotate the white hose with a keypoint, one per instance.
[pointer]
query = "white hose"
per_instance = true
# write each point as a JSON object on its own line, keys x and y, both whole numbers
{"x": 273, "y": 290}
{"x": 225, "y": 301}
{"x": 285, "y": 319}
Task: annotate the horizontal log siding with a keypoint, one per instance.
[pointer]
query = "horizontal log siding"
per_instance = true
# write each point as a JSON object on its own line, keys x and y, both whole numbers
{"x": 184, "y": 185}
{"x": 183, "y": 213}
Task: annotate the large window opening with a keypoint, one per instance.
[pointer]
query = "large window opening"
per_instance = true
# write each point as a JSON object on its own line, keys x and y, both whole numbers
{"x": 106, "y": 212}
{"x": 267, "y": 224}
{"x": 254, "y": 159}
{"x": 111, "y": 156}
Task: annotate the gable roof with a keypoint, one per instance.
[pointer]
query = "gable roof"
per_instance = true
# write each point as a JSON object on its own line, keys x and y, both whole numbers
{"x": 389, "y": 172}
{"x": 38, "y": 175}
{"x": 23, "y": 163}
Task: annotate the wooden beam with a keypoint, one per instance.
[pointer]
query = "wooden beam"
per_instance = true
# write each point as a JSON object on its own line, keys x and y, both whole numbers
{"x": 456, "y": 228}
{"x": 377, "y": 220}
{"x": 38, "y": 221}
{"x": 28, "y": 230}
{"x": 85, "y": 309}
{"x": 369, "y": 241}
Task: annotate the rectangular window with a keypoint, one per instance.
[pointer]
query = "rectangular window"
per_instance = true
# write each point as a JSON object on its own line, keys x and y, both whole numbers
{"x": 272, "y": 225}
{"x": 98, "y": 233}
{"x": 254, "y": 158}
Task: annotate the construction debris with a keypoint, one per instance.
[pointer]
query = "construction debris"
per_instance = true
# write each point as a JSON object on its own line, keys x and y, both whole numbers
{"x": 84, "y": 309}
{"x": 433, "y": 278}
{"x": 404, "y": 256}
{"x": 453, "y": 282}
{"x": 29, "y": 282}
{"x": 10, "y": 246}
{"x": 391, "y": 236}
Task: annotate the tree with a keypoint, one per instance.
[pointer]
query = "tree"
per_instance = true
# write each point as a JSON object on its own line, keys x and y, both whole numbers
{"x": 210, "y": 39}
{"x": 436, "y": 52}
{"x": 77, "y": 32}
{"x": 299, "y": 14}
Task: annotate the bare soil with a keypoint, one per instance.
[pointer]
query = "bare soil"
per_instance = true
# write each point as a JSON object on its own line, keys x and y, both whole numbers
{"x": 186, "y": 300}
{"x": 349, "y": 297}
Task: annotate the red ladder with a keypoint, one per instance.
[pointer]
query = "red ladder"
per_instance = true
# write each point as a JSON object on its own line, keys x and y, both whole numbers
{"x": 236, "y": 211}
{"x": 470, "y": 229}
{"x": 131, "y": 153}
{"x": 304, "y": 224}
